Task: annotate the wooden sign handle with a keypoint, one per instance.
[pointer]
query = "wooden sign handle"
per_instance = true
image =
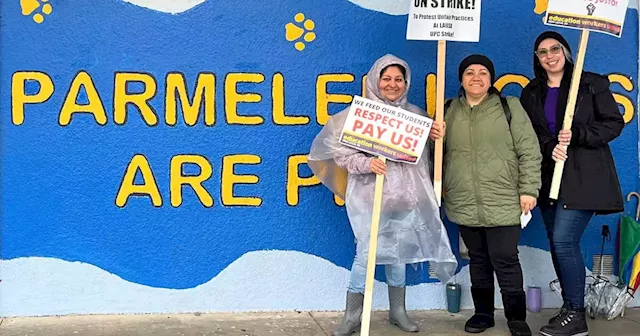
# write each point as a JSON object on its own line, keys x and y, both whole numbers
{"x": 371, "y": 259}
{"x": 437, "y": 162}
{"x": 571, "y": 106}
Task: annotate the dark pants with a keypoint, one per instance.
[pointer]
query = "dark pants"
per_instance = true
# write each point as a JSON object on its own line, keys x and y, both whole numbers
{"x": 494, "y": 249}
{"x": 564, "y": 229}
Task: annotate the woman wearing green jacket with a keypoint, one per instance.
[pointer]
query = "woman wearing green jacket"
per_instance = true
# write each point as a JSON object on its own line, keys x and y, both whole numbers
{"x": 491, "y": 173}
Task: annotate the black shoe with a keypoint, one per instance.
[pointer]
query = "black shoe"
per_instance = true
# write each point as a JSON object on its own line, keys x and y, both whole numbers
{"x": 515, "y": 310}
{"x": 573, "y": 323}
{"x": 519, "y": 328}
{"x": 560, "y": 315}
{"x": 484, "y": 308}
{"x": 479, "y": 323}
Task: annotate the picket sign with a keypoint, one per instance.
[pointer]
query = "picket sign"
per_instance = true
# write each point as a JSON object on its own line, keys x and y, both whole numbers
{"x": 391, "y": 133}
{"x": 598, "y": 16}
{"x": 436, "y": 21}
{"x": 431, "y": 21}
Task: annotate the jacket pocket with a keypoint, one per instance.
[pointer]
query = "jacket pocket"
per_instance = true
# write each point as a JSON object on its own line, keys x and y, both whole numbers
{"x": 508, "y": 174}
{"x": 447, "y": 174}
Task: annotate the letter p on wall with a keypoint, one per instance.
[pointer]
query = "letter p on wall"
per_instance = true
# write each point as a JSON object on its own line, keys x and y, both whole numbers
{"x": 19, "y": 96}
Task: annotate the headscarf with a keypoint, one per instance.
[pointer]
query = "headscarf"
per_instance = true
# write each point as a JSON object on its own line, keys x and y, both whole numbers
{"x": 410, "y": 229}
{"x": 374, "y": 75}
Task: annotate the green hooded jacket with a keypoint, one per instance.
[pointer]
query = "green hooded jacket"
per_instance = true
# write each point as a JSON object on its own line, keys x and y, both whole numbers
{"x": 488, "y": 164}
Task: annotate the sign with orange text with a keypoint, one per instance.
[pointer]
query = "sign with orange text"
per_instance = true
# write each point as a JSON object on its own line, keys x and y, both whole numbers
{"x": 603, "y": 16}
{"x": 385, "y": 130}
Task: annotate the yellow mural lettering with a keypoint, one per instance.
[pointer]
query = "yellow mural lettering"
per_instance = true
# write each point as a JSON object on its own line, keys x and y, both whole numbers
{"x": 277, "y": 95}
{"x": 70, "y": 106}
{"x": 178, "y": 179}
{"x": 364, "y": 86}
{"x": 323, "y": 98}
{"x": 19, "y": 97}
{"x": 295, "y": 181}
{"x": 430, "y": 94}
{"x": 148, "y": 188}
{"x": 232, "y": 98}
{"x": 230, "y": 179}
{"x": 540, "y": 6}
{"x": 122, "y": 98}
{"x": 626, "y": 102}
{"x": 511, "y": 79}
{"x": 205, "y": 90}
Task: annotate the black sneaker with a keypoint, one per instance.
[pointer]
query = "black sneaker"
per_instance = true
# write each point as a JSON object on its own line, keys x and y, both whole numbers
{"x": 560, "y": 315}
{"x": 573, "y": 323}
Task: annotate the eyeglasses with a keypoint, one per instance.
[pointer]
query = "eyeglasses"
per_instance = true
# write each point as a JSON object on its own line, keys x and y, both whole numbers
{"x": 555, "y": 49}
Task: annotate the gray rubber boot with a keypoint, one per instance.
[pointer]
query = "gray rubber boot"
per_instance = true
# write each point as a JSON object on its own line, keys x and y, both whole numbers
{"x": 352, "y": 315}
{"x": 397, "y": 312}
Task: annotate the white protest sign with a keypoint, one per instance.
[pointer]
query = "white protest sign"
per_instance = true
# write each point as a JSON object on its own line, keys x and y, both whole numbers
{"x": 384, "y": 130}
{"x": 603, "y": 16}
{"x": 457, "y": 20}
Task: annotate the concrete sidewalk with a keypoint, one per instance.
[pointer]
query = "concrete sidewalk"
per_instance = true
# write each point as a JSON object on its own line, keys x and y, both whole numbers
{"x": 433, "y": 323}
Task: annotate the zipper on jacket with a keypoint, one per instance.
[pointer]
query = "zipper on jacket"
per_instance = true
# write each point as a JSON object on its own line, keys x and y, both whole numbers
{"x": 575, "y": 110}
{"x": 476, "y": 187}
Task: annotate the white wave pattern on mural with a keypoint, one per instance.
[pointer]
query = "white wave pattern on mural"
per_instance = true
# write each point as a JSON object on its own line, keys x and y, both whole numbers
{"x": 167, "y": 6}
{"x": 392, "y": 7}
{"x": 257, "y": 281}
{"x": 401, "y": 7}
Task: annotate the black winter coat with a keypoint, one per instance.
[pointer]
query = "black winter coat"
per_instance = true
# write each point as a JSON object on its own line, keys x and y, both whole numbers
{"x": 590, "y": 180}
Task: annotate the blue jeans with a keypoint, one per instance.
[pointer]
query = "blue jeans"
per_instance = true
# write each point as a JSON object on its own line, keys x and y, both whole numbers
{"x": 564, "y": 229}
{"x": 395, "y": 274}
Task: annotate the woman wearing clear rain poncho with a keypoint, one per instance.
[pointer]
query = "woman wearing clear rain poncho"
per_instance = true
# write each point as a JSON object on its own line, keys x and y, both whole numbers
{"x": 410, "y": 228}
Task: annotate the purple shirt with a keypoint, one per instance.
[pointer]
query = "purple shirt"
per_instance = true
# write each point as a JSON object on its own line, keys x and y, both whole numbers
{"x": 550, "y": 104}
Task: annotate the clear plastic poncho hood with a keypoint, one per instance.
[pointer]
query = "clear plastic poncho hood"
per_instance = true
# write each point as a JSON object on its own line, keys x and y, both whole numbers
{"x": 410, "y": 229}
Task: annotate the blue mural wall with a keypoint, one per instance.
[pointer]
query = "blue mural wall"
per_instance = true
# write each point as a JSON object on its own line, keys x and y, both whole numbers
{"x": 152, "y": 154}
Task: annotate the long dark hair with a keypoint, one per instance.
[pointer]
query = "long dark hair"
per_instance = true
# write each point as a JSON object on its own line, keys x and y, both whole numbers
{"x": 540, "y": 72}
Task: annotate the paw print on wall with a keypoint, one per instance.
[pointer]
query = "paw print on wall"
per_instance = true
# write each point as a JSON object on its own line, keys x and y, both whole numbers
{"x": 294, "y": 32}
{"x": 30, "y": 7}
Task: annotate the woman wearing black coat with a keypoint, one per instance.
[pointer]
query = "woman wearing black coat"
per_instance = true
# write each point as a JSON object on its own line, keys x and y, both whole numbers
{"x": 590, "y": 183}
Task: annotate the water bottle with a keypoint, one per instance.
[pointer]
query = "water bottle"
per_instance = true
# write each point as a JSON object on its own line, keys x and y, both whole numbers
{"x": 453, "y": 298}
{"x": 534, "y": 299}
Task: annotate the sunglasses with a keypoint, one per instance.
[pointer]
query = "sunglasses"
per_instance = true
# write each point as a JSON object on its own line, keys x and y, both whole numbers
{"x": 544, "y": 52}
